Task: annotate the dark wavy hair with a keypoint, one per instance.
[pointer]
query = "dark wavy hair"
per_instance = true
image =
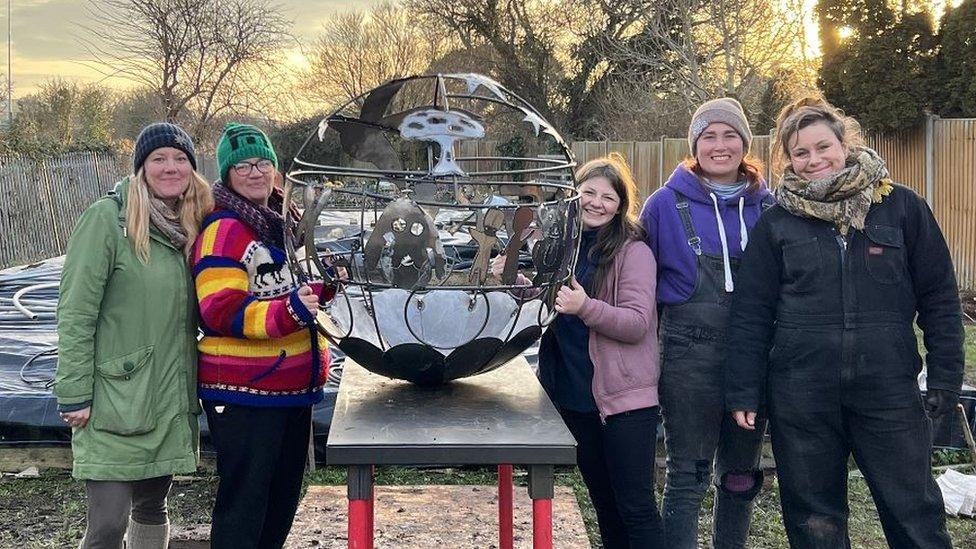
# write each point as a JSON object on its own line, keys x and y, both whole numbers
{"x": 624, "y": 227}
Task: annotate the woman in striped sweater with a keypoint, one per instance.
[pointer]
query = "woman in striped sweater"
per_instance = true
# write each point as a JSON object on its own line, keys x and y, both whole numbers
{"x": 262, "y": 363}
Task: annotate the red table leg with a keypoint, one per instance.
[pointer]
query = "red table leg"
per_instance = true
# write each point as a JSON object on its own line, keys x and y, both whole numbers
{"x": 359, "y": 485}
{"x": 359, "y": 533}
{"x": 542, "y": 524}
{"x": 541, "y": 490}
{"x": 505, "y": 521}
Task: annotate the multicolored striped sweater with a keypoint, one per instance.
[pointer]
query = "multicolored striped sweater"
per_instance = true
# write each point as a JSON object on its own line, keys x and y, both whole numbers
{"x": 257, "y": 348}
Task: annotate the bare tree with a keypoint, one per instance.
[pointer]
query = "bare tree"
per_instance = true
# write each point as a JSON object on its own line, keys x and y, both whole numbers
{"x": 357, "y": 51}
{"x": 63, "y": 115}
{"x": 545, "y": 50}
{"x": 203, "y": 58}
{"x": 715, "y": 48}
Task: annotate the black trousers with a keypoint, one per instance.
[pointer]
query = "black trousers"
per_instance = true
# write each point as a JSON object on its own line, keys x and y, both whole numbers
{"x": 617, "y": 463}
{"x": 261, "y": 455}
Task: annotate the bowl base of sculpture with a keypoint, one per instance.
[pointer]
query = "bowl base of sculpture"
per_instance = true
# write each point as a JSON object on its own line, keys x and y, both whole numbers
{"x": 424, "y": 365}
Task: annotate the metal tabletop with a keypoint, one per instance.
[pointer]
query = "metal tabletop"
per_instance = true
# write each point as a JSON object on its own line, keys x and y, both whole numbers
{"x": 503, "y": 416}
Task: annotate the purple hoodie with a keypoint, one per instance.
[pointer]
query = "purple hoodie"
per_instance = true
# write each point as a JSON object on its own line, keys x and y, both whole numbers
{"x": 677, "y": 270}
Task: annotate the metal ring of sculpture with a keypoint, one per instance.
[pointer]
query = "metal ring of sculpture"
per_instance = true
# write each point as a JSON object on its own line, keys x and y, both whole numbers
{"x": 413, "y": 188}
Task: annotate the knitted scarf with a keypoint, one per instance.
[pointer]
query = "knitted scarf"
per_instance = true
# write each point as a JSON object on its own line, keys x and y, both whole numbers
{"x": 265, "y": 220}
{"x": 167, "y": 222}
{"x": 844, "y": 198}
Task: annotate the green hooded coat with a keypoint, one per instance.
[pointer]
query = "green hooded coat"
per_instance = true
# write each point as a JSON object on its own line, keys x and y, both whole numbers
{"x": 127, "y": 344}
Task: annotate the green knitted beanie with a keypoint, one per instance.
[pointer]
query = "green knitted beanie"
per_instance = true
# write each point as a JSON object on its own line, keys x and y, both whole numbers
{"x": 240, "y": 142}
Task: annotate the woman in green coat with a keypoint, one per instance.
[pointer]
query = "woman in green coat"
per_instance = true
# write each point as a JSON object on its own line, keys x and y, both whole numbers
{"x": 127, "y": 326}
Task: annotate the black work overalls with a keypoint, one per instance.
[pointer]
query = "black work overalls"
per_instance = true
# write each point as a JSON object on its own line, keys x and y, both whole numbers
{"x": 832, "y": 316}
{"x": 698, "y": 429}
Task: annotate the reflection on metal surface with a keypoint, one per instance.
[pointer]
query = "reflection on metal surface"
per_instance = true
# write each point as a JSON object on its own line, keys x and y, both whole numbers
{"x": 524, "y": 216}
{"x": 412, "y": 189}
{"x": 487, "y": 240}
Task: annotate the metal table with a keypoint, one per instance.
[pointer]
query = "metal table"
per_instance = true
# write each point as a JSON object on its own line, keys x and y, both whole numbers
{"x": 503, "y": 417}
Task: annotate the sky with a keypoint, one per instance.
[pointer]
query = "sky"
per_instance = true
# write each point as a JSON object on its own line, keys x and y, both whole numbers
{"x": 45, "y": 35}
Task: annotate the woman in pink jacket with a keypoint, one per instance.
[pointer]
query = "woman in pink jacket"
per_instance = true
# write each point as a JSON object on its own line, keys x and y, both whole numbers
{"x": 599, "y": 359}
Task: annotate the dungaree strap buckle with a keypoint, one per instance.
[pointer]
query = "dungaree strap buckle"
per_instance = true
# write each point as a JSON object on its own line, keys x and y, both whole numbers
{"x": 683, "y": 212}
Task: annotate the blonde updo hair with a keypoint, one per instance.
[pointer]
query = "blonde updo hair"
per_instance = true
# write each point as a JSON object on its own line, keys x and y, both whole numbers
{"x": 805, "y": 111}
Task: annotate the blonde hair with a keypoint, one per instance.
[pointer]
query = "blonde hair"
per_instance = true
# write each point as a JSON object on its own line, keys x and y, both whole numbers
{"x": 195, "y": 203}
{"x": 808, "y": 110}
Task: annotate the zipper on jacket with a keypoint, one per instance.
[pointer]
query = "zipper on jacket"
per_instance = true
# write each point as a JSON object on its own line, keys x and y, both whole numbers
{"x": 842, "y": 242}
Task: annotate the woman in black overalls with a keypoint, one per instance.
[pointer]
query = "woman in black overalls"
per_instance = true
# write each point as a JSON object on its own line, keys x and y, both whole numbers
{"x": 830, "y": 286}
{"x": 698, "y": 226}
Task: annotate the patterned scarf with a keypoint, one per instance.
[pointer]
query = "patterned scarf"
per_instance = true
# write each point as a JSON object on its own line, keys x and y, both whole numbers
{"x": 844, "y": 198}
{"x": 167, "y": 222}
{"x": 265, "y": 220}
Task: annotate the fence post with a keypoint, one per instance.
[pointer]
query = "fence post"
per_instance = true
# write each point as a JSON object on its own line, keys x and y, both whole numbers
{"x": 660, "y": 163}
{"x": 930, "y": 160}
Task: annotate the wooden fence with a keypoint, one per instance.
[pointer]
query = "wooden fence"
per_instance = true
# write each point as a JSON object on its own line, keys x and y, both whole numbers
{"x": 40, "y": 199}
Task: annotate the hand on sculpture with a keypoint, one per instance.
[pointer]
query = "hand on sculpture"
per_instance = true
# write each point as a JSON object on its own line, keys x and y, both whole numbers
{"x": 77, "y": 418}
{"x": 309, "y": 299}
{"x": 570, "y": 298}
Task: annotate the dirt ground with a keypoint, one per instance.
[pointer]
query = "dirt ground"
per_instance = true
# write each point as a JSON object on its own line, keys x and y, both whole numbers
{"x": 968, "y": 299}
{"x": 48, "y": 512}
{"x": 419, "y": 517}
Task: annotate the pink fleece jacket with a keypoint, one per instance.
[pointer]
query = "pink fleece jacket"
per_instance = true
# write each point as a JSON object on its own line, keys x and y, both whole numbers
{"x": 623, "y": 344}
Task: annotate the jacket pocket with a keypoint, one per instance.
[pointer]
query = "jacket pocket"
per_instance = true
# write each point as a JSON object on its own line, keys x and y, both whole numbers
{"x": 124, "y": 397}
{"x": 802, "y": 264}
{"x": 884, "y": 253}
{"x": 619, "y": 375}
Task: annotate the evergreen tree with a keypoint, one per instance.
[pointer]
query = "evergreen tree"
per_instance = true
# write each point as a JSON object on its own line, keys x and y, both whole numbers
{"x": 955, "y": 95}
{"x": 881, "y": 75}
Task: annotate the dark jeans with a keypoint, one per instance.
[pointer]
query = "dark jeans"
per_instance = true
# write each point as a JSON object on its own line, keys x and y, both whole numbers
{"x": 826, "y": 405}
{"x": 699, "y": 432}
{"x": 261, "y": 455}
{"x": 617, "y": 463}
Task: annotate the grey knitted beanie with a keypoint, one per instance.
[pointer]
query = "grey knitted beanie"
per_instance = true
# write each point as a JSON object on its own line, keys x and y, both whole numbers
{"x": 725, "y": 110}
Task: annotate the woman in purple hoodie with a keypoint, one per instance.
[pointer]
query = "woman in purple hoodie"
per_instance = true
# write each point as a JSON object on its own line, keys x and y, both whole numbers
{"x": 598, "y": 361}
{"x": 698, "y": 226}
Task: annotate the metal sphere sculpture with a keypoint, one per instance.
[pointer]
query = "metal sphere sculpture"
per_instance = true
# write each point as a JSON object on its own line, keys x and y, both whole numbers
{"x": 412, "y": 189}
